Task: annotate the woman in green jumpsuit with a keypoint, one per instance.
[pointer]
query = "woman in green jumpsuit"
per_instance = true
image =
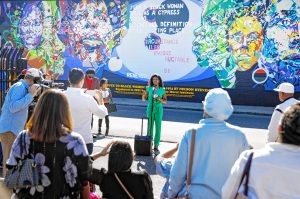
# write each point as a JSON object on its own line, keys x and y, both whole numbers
{"x": 155, "y": 93}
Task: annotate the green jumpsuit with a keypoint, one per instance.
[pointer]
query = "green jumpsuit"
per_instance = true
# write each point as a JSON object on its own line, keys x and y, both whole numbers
{"x": 157, "y": 113}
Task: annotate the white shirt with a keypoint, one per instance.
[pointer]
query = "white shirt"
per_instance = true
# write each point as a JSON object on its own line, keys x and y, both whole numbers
{"x": 105, "y": 94}
{"x": 276, "y": 117}
{"x": 274, "y": 173}
{"x": 82, "y": 107}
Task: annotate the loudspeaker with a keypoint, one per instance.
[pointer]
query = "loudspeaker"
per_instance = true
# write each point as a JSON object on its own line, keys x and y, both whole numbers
{"x": 143, "y": 144}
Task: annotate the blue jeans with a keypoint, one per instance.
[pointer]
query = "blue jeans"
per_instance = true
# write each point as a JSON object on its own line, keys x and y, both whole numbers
{"x": 90, "y": 147}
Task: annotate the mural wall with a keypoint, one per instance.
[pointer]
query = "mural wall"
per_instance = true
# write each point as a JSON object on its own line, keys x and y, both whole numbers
{"x": 247, "y": 45}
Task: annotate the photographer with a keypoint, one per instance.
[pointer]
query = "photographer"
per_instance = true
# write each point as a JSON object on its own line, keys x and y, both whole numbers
{"x": 15, "y": 108}
{"x": 83, "y": 106}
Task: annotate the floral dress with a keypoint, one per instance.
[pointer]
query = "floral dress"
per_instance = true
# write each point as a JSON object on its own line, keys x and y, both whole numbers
{"x": 64, "y": 166}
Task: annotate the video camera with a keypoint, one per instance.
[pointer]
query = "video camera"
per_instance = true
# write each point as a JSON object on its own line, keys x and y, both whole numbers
{"x": 51, "y": 84}
{"x": 44, "y": 84}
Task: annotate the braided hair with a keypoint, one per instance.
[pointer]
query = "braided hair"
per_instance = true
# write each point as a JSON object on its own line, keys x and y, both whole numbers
{"x": 290, "y": 125}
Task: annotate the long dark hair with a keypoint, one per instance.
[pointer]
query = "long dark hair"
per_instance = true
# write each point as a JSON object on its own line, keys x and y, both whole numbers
{"x": 51, "y": 118}
{"x": 120, "y": 157}
{"x": 103, "y": 81}
{"x": 161, "y": 83}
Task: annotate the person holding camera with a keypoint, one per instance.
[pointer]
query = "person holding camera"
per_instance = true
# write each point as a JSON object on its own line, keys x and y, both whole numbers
{"x": 83, "y": 106}
{"x": 14, "y": 111}
{"x": 156, "y": 95}
{"x": 91, "y": 82}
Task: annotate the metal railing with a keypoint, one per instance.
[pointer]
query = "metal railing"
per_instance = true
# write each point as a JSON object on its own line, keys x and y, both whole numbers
{"x": 9, "y": 69}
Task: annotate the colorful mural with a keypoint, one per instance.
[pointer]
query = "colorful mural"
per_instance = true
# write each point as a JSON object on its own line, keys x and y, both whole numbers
{"x": 53, "y": 32}
{"x": 258, "y": 37}
{"x": 33, "y": 25}
{"x": 183, "y": 40}
{"x": 281, "y": 52}
{"x": 92, "y": 29}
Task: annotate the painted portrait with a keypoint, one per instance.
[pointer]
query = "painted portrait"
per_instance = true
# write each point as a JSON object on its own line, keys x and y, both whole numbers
{"x": 34, "y": 27}
{"x": 210, "y": 44}
{"x": 245, "y": 33}
{"x": 281, "y": 53}
{"x": 245, "y": 40}
{"x": 31, "y": 25}
{"x": 230, "y": 38}
{"x": 90, "y": 31}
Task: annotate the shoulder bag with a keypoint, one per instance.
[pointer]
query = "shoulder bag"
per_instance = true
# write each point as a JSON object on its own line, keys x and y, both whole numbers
{"x": 26, "y": 173}
{"x": 246, "y": 173}
{"x": 189, "y": 174}
{"x": 123, "y": 187}
{"x": 111, "y": 106}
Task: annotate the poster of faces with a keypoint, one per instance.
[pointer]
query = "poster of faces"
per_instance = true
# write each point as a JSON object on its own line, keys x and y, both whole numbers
{"x": 182, "y": 40}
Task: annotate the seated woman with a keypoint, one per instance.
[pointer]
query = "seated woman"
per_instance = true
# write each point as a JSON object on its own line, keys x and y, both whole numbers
{"x": 59, "y": 153}
{"x": 119, "y": 182}
{"x": 274, "y": 170}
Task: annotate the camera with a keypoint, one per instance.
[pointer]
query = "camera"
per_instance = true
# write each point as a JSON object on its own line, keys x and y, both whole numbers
{"x": 44, "y": 84}
{"x": 51, "y": 84}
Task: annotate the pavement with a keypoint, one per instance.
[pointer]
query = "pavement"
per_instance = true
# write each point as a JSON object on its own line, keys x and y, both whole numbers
{"x": 193, "y": 106}
{"x": 125, "y": 125}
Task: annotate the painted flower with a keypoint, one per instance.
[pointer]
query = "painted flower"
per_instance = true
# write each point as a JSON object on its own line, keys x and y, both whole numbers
{"x": 71, "y": 172}
{"x": 40, "y": 162}
{"x": 75, "y": 141}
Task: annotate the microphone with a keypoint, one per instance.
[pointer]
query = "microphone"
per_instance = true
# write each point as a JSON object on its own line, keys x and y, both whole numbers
{"x": 154, "y": 94}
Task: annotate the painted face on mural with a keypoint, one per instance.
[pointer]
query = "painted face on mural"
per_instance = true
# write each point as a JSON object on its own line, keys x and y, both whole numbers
{"x": 281, "y": 53}
{"x": 92, "y": 30}
{"x": 31, "y": 26}
{"x": 210, "y": 47}
{"x": 210, "y": 43}
{"x": 245, "y": 38}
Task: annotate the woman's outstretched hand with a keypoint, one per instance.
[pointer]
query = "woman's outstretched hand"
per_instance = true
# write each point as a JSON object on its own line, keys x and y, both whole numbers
{"x": 104, "y": 151}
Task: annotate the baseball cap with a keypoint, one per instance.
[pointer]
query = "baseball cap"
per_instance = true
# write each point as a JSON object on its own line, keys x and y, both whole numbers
{"x": 33, "y": 72}
{"x": 24, "y": 72}
{"x": 217, "y": 104}
{"x": 285, "y": 88}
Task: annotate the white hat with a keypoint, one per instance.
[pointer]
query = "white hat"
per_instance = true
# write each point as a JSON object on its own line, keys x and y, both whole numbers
{"x": 217, "y": 104}
{"x": 285, "y": 88}
{"x": 33, "y": 72}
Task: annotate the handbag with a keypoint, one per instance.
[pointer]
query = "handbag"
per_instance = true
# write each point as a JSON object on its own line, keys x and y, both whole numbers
{"x": 26, "y": 173}
{"x": 111, "y": 107}
{"x": 245, "y": 174}
{"x": 123, "y": 187}
{"x": 189, "y": 174}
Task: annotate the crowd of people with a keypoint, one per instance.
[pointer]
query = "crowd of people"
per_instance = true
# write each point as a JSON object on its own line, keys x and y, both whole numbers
{"x": 212, "y": 161}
